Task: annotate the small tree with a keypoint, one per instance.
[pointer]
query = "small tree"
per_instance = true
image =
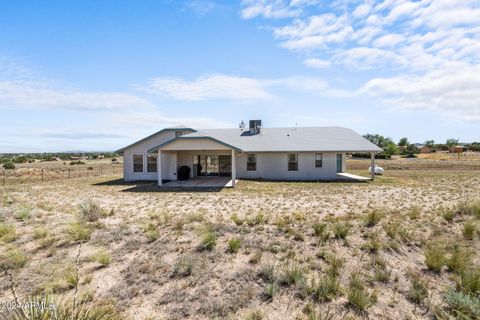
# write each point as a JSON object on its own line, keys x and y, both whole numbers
{"x": 9, "y": 165}
{"x": 403, "y": 142}
{"x": 451, "y": 142}
{"x": 391, "y": 149}
{"x": 430, "y": 143}
{"x": 412, "y": 149}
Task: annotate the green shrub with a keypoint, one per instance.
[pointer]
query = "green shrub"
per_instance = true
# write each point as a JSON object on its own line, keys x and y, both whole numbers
{"x": 459, "y": 259}
{"x": 9, "y": 165}
{"x": 237, "y": 220}
{"x": 373, "y": 217}
{"x": 90, "y": 211}
{"x": 335, "y": 265}
{"x": 468, "y": 208}
{"x": 79, "y": 231}
{"x": 151, "y": 231}
{"x": 23, "y": 214}
{"x": 39, "y": 233}
{"x": 183, "y": 266}
{"x": 326, "y": 288}
{"x": 102, "y": 257}
{"x": 373, "y": 244}
{"x": 234, "y": 245}
{"x": 292, "y": 274}
{"x": 414, "y": 212}
{"x": 256, "y": 219}
{"x": 418, "y": 290}
{"x": 266, "y": 273}
{"x": 469, "y": 230}
{"x": 8, "y": 233}
{"x": 71, "y": 277}
{"x": 256, "y": 257}
{"x": 321, "y": 231}
{"x": 357, "y": 296}
{"x": 434, "y": 257}
{"x": 381, "y": 270}
{"x": 254, "y": 315}
{"x": 340, "y": 230}
{"x": 469, "y": 281}
{"x": 270, "y": 290}
{"x": 448, "y": 214}
{"x": 208, "y": 239}
{"x": 462, "y": 306}
{"x": 12, "y": 258}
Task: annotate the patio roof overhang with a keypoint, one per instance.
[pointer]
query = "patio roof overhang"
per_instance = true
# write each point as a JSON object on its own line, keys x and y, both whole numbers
{"x": 199, "y": 143}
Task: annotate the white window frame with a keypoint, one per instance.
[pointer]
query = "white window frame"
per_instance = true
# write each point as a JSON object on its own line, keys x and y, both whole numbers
{"x": 246, "y": 162}
{"x": 143, "y": 162}
{"x": 288, "y": 161}
{"x": 155, "y": 155}
{"x": 315, "y": 159}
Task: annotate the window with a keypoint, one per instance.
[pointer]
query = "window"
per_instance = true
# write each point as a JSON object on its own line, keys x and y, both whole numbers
{"x": 152, "y": 162}
{"x": 318, "y": 160}
{"x": 292, "y": 162}
{"x": 179, "y": 133}
{"x": 138, "y": 163}
{"x": 251, "y": 162}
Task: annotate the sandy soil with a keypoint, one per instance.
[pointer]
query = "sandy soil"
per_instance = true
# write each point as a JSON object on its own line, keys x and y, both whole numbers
{"x": 171, "y": 275}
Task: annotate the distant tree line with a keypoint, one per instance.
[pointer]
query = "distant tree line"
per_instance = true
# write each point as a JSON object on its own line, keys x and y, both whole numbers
{"x": 8, "y": 160}
{"x": 407, "y": 149}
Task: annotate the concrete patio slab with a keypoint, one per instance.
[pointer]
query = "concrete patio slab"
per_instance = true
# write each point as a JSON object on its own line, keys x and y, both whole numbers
{"x": 345, "y": 176}
{"x": 207, "y": 182}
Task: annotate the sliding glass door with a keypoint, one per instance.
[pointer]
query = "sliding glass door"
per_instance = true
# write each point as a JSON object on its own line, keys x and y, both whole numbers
{"x": 212, "y": 165}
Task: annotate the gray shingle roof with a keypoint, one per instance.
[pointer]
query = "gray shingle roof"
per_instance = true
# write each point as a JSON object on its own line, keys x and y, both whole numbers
{"x": 335, "y": 139}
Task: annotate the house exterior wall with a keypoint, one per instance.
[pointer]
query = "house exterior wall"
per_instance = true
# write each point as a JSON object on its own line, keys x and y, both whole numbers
{"x": 141, "y": 148}
{"x": 270, "y": 165}
{"x": 274, "y": 166}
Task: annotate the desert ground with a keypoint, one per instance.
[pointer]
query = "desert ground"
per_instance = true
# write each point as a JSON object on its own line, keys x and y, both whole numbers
{"x": 405, "y": 246}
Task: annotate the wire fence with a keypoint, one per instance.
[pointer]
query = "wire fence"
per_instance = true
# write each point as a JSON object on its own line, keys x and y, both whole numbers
{"x": 38, "y": 174}
{"x": 417, "y": 164}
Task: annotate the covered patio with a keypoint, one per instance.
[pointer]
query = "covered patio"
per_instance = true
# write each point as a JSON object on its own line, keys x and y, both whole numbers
{"x": 211, "y": 163}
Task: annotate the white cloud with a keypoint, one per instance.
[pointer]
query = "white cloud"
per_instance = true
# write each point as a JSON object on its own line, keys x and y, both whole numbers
{"x": 362, "y": 10}
{"x": 432, "y": 47}
{"x": 274, "y": 9}
{"x": 388, "y": 41}
{"x": 268, "y": 9}
{"x": 454, "y": 93}
{"x": 241, "y": 89}
{"x": 25, "y": 93}
{"x": 317, "y": 63}
{"x": 209, "y": 87}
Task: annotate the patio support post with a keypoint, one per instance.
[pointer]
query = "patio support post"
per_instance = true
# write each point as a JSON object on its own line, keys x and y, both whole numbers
{"x": 159, "y": 167}
{"x": 234, "y": 169}
{"x": 372, "y": 165}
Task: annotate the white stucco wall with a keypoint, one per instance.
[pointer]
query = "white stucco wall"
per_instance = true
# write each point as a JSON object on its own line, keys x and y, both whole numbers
{"x": 274, "y": 166}
{"x": 141, "y": 148}
{"x": 270, "y": 165}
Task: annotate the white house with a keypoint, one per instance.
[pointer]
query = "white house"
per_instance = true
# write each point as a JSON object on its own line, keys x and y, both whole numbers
{"x": 300, "y": 153}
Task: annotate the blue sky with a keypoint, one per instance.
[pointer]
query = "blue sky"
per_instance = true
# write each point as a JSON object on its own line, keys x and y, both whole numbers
{"x": 97, "y": 75}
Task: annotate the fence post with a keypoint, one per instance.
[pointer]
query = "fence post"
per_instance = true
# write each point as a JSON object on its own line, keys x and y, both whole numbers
{"x": 113, "y": 168}
{"x": 42, "y": 175}
{"x": 101, "y": 170}
{"x": 3, "y": 177}
{"x": 68, "y": 173}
